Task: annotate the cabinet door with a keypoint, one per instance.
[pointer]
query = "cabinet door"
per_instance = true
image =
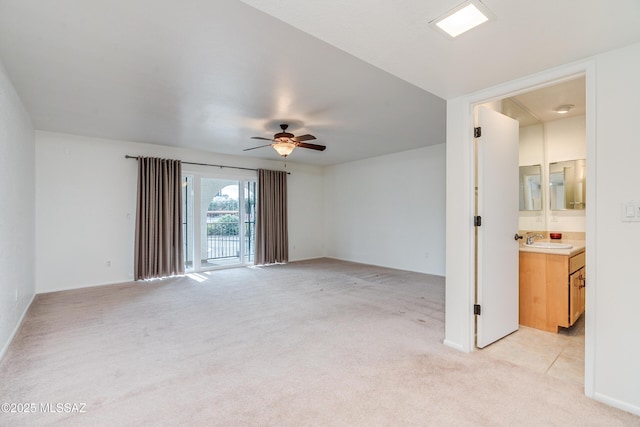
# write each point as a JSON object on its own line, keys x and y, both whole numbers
{"x": 576, "y": 295}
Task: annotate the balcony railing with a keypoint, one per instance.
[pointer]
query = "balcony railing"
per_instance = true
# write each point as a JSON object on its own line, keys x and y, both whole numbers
{"x": 224, "y": 239}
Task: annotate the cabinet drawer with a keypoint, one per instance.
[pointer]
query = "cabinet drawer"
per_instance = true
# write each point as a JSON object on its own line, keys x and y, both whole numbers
{"x": 576, "y": 262}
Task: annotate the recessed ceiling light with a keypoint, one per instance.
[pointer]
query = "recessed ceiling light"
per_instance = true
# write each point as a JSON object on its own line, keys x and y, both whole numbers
{"x": 461, "y": 19}
{"x": 563, "y": 109}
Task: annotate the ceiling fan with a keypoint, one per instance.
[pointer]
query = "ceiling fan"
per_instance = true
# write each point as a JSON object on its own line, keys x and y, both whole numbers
{"x": 284, "y": 142}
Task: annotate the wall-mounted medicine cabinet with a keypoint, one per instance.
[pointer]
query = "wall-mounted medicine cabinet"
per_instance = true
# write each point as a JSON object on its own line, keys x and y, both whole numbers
{"x": 531, "y": 188}
{"x": 567, "y": 185}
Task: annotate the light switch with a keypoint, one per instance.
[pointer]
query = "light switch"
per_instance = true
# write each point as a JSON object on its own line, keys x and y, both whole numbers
{"x": 630, "y": 211}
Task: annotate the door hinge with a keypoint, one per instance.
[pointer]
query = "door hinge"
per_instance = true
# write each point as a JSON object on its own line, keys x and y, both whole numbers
{"x": 477, "y": 221}
{"x": 477, "y": 132}
{"x": 476, "y": 309}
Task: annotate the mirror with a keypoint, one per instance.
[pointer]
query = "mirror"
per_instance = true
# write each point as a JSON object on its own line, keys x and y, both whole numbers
{"x": 567, "y": 185}
{"x": 530, "y": 188}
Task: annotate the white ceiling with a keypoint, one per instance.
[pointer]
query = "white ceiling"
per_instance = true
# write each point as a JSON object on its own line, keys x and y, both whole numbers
{"x": 209, "y": 74}
{"x": 538, "y": 106}
{"x": 526, "y": 36}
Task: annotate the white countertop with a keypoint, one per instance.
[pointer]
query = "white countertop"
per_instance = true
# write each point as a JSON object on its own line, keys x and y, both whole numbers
{"x": 578, "y": 246}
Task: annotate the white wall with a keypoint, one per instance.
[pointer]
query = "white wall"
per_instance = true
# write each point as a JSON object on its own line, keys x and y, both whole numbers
{"x": 460, "y": 194}
{"x": 612, "y": 348}
{"x": 617, "y": 379}
{"x": 531, "y": 149}
{"x": 17, "y": 211}
{"x": 306, "y": 222}
{"x": 564, "y": 139}
{"x": 389, "y": 210}
{"x": 86, "y": 193}
{"x": 531, "y": 152}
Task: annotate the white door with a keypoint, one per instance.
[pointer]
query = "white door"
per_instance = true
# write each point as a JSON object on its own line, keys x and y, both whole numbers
{"x": 497, "y": 250}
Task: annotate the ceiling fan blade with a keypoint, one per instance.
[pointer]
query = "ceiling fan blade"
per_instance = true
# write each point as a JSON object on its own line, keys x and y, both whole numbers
{"x": 306, "y": 137}
{"x": 312, "y": 146}
{"x": 260, "y": 146}
{"x": 259, "y": 137}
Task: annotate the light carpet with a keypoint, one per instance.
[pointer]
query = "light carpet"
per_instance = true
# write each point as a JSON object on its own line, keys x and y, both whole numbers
{"x": 311, "y": 343}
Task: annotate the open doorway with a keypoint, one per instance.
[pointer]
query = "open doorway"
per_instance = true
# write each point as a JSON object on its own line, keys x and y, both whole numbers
{"x": 219, "y": 221}
{"x": 552, "y": 202}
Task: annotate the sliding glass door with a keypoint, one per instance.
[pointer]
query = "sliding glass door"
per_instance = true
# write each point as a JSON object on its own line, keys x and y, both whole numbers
{"x": 219, "y": 222}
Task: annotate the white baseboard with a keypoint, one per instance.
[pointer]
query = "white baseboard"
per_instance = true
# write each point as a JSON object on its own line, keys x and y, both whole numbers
{"x": 392, "y": 267}
{"x": 454, "y": 345}
{"x": 16, "y": 329}
{"x": 617, "y": 403}
{"x": 73, "y": 288}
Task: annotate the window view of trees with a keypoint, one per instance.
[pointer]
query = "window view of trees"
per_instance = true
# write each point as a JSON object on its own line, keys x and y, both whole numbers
{"x": 225, "y": 225}
{"x": 222, "y": 202}
{"x": 225, "y": 216}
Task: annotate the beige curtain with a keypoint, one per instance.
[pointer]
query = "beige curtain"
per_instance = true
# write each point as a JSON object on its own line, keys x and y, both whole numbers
{"x": 272, "y": 236}
{"x": 158, "y": 247}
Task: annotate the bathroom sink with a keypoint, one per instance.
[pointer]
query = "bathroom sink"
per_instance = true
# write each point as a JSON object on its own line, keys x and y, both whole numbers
{"x": 550, "y": 245}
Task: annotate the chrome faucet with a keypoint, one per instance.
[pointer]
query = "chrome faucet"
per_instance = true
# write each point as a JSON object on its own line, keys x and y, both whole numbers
{"x": 531, "y": 237}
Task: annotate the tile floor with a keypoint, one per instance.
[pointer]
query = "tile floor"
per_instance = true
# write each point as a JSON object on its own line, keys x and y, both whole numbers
{"x": 560, "y": 355}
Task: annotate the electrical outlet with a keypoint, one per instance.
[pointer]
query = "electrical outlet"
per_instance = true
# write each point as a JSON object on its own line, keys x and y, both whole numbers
{"x": 108, "y": 263}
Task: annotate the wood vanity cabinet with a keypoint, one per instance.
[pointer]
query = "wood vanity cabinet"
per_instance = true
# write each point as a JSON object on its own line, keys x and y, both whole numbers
{"x": 552, "y": 290}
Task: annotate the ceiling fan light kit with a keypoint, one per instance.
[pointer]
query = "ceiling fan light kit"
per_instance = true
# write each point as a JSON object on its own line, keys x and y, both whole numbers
{"x": 284, "y": 148}
{"x": 284, "y": 142}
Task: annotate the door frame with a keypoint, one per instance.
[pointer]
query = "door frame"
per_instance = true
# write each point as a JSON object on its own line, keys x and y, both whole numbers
{"x": 460, "y": 196}
{"x": 204, "y": 172}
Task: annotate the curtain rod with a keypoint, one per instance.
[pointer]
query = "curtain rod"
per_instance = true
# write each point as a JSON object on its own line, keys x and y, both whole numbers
{"x": 206, "y": 164}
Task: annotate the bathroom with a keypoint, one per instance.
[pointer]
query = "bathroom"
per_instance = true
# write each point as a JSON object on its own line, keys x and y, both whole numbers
{"x": 552, "y": 153}
{"x": 547, "y": 139}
